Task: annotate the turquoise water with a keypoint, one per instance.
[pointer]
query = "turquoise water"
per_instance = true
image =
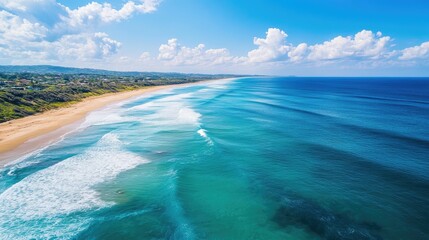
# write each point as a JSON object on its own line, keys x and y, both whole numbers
{"x": 253, "y": 158}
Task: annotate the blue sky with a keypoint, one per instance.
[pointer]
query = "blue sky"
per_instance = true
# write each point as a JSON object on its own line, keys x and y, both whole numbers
{"x": 289, "y": 37}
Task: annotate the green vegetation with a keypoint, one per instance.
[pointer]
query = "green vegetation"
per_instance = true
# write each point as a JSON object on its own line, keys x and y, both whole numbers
{"x": 24, "y": 93}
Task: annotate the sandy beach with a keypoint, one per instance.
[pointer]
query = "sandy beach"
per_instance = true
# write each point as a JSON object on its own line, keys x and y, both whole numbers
{"x": 14, "y": 133}
{"x": 22, "y": 136}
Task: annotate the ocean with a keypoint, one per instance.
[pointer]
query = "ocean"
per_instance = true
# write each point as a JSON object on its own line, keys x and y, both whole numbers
{"x": 250, "y": 158}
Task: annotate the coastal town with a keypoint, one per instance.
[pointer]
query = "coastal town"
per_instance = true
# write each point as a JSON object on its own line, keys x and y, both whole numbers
{"x": 38, "y": 81}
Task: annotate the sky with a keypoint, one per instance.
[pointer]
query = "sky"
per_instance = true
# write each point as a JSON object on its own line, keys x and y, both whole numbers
{"x": 275, "y": 37}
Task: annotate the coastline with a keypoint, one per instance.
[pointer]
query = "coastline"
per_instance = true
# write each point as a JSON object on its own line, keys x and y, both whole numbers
{"x": 22, "y": 136}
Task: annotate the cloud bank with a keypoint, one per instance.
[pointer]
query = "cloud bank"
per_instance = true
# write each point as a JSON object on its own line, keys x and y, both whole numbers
{"x": 417, "y": 52}
{"x": 46, "y": 31}
{"x": 175, "y": 54}
{"x": 364, "y": 47}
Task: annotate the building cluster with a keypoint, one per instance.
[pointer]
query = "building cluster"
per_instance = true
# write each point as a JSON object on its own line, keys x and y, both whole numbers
{"x": 40, "y": 81}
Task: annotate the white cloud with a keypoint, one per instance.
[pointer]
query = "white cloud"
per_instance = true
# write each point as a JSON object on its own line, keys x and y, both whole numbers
{"x": 14, "y": 28}
{"x": 95, "y": 12}
{"x": 364, "y": 50}
{"x": 176, "y": 54}
{"x": 298, "y": 53}
{"x": 69, "y": 47}
{"x": 145, "y": 56}
{"x": 45, "y": 29}
{"x": 86, "y": 46}
{"x": 270, "y": 48}
{"x": 168, "y": 51}
{"x": 421, "y": 51}
{"x": 364, "y": 44}
{"x": 26, "y": 5}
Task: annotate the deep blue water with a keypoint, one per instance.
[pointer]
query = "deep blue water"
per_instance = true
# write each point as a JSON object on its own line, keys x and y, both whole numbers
{"x": 253, "y": 158}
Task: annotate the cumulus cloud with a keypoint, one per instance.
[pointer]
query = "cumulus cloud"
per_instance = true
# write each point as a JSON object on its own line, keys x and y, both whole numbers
{"x": 25, "y": 5}
{"x": 298, "y": 53}
{"x": 168, "y": 51}
{"x": 270, "y": 48}
{"x": 145, "y": 56}
{"x": 69, "y": 47}
{"x": 364, "y": 44}
{"x": 174, "y": 53}
{"x": 421, "y": 51}
{"x": 95, "y": 12}
{"x": 86, "y": 46}
{"x": 14, "y": 28}
{"x": 46, "y": 29}
{"x": 364, "y": 48}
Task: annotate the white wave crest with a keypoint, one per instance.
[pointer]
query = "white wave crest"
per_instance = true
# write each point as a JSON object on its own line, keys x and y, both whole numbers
{"x": 105, "y": 116}
{"x": 37, "y": 206}
{"x": 187, "y": 115}
{"x": 169, "y": 110}
{"x": 203, "y": 134}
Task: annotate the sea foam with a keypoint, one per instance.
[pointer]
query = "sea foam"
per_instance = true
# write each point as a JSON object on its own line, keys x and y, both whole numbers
{"x": 40, "y": 205}
{"x": 171, "y": 110}
{"x": 202, "y": 132}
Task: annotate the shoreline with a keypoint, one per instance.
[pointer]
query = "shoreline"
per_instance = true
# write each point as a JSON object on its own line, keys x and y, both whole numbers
{"x": 23, "y": 136}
